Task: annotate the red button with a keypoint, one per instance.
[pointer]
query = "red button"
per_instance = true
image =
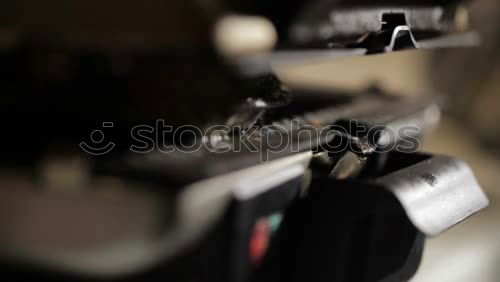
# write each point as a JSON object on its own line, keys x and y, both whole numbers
{"x": 259, "y": 241}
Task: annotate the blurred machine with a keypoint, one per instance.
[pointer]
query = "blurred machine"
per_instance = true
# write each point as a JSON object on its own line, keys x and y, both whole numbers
{"x": 152, "y": 141}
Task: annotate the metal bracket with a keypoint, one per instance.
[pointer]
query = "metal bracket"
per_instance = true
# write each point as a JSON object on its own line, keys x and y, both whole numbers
{"x": 436, "y": 193}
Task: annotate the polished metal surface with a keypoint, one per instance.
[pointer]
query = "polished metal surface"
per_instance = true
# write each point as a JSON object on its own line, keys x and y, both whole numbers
{"x": 436, "y": 193}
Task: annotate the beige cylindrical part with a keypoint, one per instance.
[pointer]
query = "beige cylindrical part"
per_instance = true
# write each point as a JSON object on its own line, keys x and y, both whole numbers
{"x": 462, "y": 19}
{"x": 237, "y": 35}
